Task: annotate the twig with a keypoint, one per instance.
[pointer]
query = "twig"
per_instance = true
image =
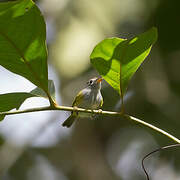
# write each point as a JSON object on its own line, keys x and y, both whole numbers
{"x": 152, "y": 152}
{"x": 153, "y": 127}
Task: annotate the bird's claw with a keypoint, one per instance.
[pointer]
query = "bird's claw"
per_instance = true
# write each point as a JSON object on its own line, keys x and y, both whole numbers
{"x": 75, "y": 109}
{"x": 100, "y": 111}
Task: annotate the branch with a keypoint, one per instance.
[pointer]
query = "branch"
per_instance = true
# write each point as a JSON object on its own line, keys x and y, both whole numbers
{"x": 110, "y": 113}
{"x": 152, "y": 127}
{"x": 62, "y": 108}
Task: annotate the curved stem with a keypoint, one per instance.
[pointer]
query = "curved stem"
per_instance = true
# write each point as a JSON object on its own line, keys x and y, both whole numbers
{"x": 110, "y": 113}
{"x": 152, "y": 127}
{"x": 152, "y": 152}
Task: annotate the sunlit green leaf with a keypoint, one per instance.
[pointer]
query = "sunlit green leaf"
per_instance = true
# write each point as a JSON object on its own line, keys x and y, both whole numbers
{"x": 118, "y": 59}
{"x": 22, "y": 41}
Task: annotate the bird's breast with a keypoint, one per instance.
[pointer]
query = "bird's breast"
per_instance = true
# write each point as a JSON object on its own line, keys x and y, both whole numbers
{"x": 91, "y": 100}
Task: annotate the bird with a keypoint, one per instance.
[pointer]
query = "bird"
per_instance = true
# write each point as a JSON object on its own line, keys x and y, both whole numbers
{"x": 88, "y": 98}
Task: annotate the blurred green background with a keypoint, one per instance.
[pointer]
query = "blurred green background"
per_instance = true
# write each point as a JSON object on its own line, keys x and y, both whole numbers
{"x": 107, "y": 148}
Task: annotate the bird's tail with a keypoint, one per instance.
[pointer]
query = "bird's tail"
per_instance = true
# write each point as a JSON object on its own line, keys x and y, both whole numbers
{"x": 69, "y": 121}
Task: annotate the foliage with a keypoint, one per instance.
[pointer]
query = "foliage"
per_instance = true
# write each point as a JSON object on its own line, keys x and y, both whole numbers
{"x": 23, "y": 49}
{"x": 115, "y": 59}
{"x": 15, "y": 100}
{"x": 118, "y": 59}
{"x": 22, "y": 41}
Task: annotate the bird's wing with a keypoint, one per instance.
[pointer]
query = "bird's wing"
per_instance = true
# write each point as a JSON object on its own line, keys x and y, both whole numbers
{"x": 78, "y": 99}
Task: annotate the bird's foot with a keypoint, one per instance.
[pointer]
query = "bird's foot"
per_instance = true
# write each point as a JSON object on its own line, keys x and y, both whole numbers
{"x": 100, "y": 111}
{"x": 75, "y": 109}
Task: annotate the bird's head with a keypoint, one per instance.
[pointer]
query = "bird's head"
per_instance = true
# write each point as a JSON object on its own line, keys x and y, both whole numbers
{"x": 95, "y": 83}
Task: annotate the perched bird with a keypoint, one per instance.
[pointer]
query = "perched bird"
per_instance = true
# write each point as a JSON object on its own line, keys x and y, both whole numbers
{"x": 88, "y": 98}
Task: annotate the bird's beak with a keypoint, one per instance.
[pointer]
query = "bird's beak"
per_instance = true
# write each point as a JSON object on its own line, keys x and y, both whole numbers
{"x": 99, "y": 80}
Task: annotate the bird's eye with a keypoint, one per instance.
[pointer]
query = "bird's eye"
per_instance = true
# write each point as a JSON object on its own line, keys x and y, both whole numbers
{"x": 90, "y": 82}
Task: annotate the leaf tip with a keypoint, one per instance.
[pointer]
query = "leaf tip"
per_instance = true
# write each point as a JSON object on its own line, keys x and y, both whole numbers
{"x": 2, "y": 116}
{"x": 155, "y": 33}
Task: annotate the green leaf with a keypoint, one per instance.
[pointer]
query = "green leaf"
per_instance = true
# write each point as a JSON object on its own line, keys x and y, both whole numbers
{"x": 22, "y": 41}
{"x": 40, "y": 93}
{"x": 12, "y": 100}
{"x": 118, "y": 59}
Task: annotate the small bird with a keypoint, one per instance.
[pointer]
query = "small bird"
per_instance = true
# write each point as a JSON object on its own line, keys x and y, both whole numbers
{"x": 88, "y": 98}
